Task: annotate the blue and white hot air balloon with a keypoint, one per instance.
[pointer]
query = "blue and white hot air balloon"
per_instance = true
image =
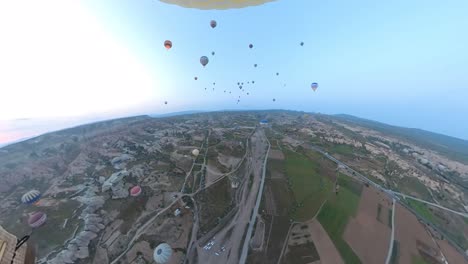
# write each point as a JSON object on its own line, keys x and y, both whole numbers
{"x": 31, "y": 197}
{"x": 162, "y": 253}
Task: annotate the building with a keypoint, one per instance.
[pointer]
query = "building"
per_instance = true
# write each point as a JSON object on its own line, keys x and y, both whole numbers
{"x": 264, "y": 122}
{"x": 177, "y": 212}
{"x": 8, "y": 254}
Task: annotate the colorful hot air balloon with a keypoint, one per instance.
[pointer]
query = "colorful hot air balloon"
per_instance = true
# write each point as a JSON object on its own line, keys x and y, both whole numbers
{"x": 37, "y": 219}
{"x": 213, "y": 23}
{"x": 314, "y": 86}
{"x": 31, "y": 197}
{"x": 250, "y": 46}
{"x": 204, "y": 60}
{"x": 168, "y": 44}
{"x": 135, "y": 191}
{"x": 216, "y": 4}
{"x": 162, "y": 253}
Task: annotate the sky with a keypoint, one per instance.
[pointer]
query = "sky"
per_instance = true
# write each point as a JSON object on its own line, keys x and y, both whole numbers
{"x": 399, "y": 62}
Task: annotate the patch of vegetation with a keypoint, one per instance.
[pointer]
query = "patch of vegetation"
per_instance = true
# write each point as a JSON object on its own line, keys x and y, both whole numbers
{"x": 413, "y": 186}
{"x": 418, "y": 260}
{"x": 309, "y": 187}
{"x": 342, "y": 149}
{"x": 379, "y": 211}
{"x": 390, "y": 213}
{"x": 350, "y": 184}
{"x": 421, "y": 209}
{"x": 334, "y": 216}
{"x": 302, "y": 254}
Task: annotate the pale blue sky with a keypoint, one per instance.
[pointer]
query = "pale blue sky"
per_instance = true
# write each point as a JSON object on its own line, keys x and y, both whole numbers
{"x": 399, "y": 62}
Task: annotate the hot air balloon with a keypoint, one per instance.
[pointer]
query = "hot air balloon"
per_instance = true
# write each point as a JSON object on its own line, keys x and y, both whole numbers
{"x": 196, "y": 78}
{"x": 314, "y": 86}
{"x": 250, "y": 46}
{"x": 204, "y": 60}
{"x": 255, "y": 65}
{"x": 212, "y": 53}
{"x": 135, "y": 191}
{"x": 274, "y": 99}
{"x": 195, "y": 152}
{"x": 37, "y": 219}
{"x": 247, "y": 93}
{"x": 253, "y": 82}
{"x": 213, "y": 23}
{"x": 168, "y": 44}
{"x": 238, "y": 83}
{"x": 277, "y": 73}
{"x": 162, "y": 253}
{"x": 205, "y": 88}
{"x": 240, "y": 86}
{"x": 216, "y": 4}
{"x": 165, "y": 102}
{"x": 302, "y": 43}
{"x": 31, "y": 197}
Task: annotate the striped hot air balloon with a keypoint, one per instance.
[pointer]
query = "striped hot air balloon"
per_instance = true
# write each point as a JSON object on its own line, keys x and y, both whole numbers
{"x": 314, "y": 86}
{"x": 37, "y": 219}
{"x": 135, "y": 191}
{"x": 216, "y": 4}
{"x": 31, "y": 197}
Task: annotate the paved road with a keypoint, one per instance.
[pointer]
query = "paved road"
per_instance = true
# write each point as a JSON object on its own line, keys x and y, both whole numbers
{"x": 245, "y": 248}
{"x": 433, "y": 204}
{"x": 392, "y": 238}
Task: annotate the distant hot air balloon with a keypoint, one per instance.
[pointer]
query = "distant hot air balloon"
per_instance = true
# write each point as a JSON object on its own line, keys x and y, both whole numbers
{"x": 247, "y": 93}
{"x": 162, "y": 253}
{"x": 314, "y": 86}
{"x": 168, "y": 44}
{"x": 135, "y": 191}
{"x": 204, "y": 60}
{"x": 195, "y": 152}
{"x": 274, "y": 99}
{"x": 255, "y": 65}
{"x": 253, "y": 81}
{"x": 165, "y": 102}
{"x": 31, "y": 197}
{"x": 277, "y": 73}
{"x": 213, "y": 23}
{"x": 37, "y": 219}
{"x": 250, "y": 46}
{"x": 214, "y": 83}
{"x": 196, "y": 78}
{"x": 212, "y": 53}
{"x": 240, "y": 86}
{"x": 205, "y": 88}
{"x": 238, "y": 83}
{"x": 302, "y": 43}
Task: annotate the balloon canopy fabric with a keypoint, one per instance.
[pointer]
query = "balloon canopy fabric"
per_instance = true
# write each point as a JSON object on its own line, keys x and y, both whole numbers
{"x": 204, "y": 60}
{"x": 168, "y": 44}
{"x": 37, "y": 219}
{"x": 31, "y": 197}
{"x": 135, "y": 191}
{"x": 162, "y": 253}
{"x": 216, "y": 4}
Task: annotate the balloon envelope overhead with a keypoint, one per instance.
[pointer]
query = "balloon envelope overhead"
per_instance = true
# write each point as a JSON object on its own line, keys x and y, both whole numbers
{"x": 168, "y": 44}
{"x": 37, "y": 219}
{"x": 162, "y": 253}
{"x": 31, "y": 197}
{"x": 135, "y": 191}
{"x": 204, "y": 60}
{"x": 216, "y": 4}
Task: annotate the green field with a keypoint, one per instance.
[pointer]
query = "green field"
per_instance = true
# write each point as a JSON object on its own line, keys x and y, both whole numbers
{"x": 335, "y": 215}
{"x": 309, "y": 187}
{"x": 342, "y": 149}
{"x": 421, "y": 209}
{"x": 418, "y": 260}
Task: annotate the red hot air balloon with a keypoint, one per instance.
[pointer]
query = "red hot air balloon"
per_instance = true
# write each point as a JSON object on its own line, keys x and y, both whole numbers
{"x": 213, "y": 23}
{"x": 168, "y": 44}
{"x": 37, "y": 219}
{"x": 135, "y": 191}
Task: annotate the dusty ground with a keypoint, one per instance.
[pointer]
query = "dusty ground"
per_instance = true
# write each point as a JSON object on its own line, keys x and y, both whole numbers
{"x": 325, "y": 247}
{"x": 258, "y": 236}
{"x": 452, "y": 255}
{"x": 407, "y": 232}
{"x": 276, "y": 154}
{"x": 365, "y": 234}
